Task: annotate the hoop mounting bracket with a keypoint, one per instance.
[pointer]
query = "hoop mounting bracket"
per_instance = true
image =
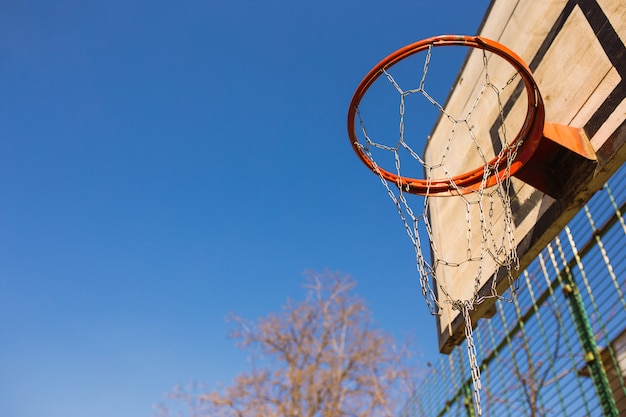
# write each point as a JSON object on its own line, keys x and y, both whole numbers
{"x": 563, "y": 160}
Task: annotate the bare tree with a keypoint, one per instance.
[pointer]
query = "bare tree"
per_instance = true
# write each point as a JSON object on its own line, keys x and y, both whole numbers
{"x": 322, "y": 357}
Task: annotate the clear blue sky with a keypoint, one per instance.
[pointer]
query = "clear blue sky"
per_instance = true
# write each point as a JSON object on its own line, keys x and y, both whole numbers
{"x": 165, "y": 163}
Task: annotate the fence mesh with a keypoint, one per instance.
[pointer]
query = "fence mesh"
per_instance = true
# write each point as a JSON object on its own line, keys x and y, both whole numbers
{"x": 559, "y": 347}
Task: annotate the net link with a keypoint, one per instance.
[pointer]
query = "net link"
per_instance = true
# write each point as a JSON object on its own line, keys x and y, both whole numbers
{"x": 489, "y": 242}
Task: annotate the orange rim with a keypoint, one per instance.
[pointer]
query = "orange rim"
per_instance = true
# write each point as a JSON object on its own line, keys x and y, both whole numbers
{"x": 528, "y": 137}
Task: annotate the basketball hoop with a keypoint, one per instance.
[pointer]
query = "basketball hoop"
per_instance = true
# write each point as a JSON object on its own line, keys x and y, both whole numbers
{"x": 483, "y": 191}
{"x": 523, "y": 146}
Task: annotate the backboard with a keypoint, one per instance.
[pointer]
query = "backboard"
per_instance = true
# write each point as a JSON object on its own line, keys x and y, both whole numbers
{"x": 576, "y": 51}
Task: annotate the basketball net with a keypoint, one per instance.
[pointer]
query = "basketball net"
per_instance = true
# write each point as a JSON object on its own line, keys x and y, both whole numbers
{"x": 489, "y": 243}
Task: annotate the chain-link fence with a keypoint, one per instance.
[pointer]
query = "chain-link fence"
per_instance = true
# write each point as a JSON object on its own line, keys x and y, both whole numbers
{"x": 559, "y": 348}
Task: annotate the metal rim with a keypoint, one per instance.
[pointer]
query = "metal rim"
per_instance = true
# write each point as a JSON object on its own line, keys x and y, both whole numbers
{"x": 528, "y": 137}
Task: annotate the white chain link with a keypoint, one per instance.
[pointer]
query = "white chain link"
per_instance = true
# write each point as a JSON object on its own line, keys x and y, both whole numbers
{"x": 471, "y": 354}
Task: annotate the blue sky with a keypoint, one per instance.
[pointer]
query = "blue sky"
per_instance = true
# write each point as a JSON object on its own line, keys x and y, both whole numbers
{"x": 165, "y": 163}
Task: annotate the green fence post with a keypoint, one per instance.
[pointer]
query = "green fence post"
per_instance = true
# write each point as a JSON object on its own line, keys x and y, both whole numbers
{"x": 588, "y": 342}
{"x": 468, "y": 401}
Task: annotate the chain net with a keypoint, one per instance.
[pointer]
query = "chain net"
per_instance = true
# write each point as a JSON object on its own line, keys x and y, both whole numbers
{"x": 444, "y": 261}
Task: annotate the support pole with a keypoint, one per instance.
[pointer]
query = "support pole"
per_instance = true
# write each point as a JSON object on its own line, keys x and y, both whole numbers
{"x": 588, "y": 343}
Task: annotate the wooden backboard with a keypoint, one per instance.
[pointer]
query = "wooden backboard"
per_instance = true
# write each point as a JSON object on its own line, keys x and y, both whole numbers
{"x": 575, "y": 49}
